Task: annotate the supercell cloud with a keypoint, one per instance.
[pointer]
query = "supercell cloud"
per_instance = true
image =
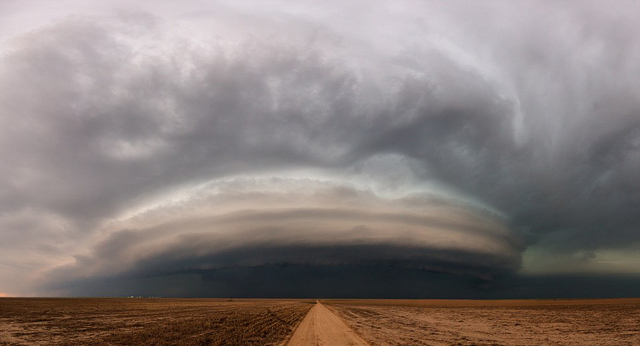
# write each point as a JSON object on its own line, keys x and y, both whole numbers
{"x": 419, "y": 149}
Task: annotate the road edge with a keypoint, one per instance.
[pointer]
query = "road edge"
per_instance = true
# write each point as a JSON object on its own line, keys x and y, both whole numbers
{"x": 285, "y": 341}
{"x": 337, "y": 314}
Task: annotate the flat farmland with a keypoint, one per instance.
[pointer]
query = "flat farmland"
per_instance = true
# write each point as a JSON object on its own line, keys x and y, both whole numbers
{"x": 498, "y": 322}
{"x": 112, "y": 321}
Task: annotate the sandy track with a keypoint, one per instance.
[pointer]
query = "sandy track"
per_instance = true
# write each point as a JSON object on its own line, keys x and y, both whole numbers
{"x": 322, "y": 327}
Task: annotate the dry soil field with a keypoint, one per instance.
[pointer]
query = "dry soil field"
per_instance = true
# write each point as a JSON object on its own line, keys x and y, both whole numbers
{"x": 148, "y": 321}
{"x": 332, "y": 322}
{"x": 509, "y": 322}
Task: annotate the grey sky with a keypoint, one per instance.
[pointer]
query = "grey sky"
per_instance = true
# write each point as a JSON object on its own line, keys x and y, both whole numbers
{"x": 484, "y": 143}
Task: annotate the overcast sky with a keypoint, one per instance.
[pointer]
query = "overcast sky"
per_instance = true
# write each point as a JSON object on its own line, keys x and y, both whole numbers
{"x": 320, "y": 148}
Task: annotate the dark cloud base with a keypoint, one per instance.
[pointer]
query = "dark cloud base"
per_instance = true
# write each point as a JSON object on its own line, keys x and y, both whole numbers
{"x": 344, "y": 281}
{"x": 381, "y": 281}
{"x": 570, "y": 286}
{"x": 525, "y": 110}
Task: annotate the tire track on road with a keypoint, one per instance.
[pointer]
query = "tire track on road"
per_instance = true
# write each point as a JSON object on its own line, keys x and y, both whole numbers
{"x": 322, "y": 327}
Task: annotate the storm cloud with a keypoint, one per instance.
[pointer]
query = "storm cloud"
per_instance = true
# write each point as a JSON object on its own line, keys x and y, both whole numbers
{"x": 470, "y": 143}
{"x": 284, "y": 222}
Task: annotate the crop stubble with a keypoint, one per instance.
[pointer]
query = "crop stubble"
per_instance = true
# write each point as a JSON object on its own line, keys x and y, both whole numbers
{"x": 270, "y": 322}
{"x": 508, "y": 322}
{"x": 110, "y": 321}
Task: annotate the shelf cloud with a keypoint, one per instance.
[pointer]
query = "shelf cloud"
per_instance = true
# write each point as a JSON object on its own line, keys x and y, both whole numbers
{"x": 480, "y": 144}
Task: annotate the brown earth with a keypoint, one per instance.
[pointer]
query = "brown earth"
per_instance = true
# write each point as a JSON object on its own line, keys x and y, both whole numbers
{"x": 334, "y": 322}
{"x": 321, "y": 327}
{"x": 108, "y": 321}
{"x": 500, "y": 322}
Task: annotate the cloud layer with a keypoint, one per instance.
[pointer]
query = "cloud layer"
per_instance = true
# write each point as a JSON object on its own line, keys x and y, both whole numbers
{"x": 284, "y": 222}
{"x": 434, "y": 137}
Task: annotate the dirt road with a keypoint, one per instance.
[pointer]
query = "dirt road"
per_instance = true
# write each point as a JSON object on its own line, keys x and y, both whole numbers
{"x": 322, "y": 327}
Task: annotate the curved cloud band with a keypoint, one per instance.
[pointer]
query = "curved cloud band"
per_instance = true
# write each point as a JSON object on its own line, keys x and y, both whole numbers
{"x": 427, "y": 136}
{"x": 319, "y": 223}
